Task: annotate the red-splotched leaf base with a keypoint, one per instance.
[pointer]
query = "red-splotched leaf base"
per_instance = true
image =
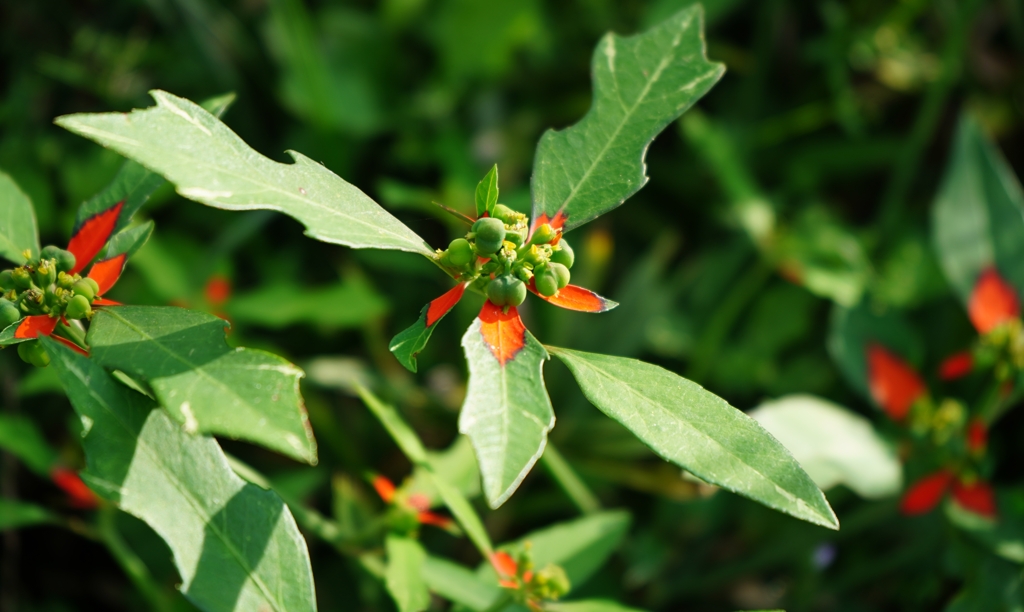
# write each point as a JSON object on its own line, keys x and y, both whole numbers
{"x": 92, "y": 236}
{"x": 576, "y": 298}
{"x": 503, "y": 332}
{"x": 408, "y": 343}
{"x": 993, "y": 302}
{"x": 558, "y": 222}
{"x": 976, "y": 496}
{"x": 106, "y": 272}
{"x": 79, "y": 495}
{"x": 926, "y": 493}
{"x": 894, "y": 385}
{"x": 28, "y": 328}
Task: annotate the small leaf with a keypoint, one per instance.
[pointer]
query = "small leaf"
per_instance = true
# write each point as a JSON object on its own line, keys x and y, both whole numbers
{"x": 18, "y": 230}
{"x": 641, "y": 84}
{"x": 20, "y": 437}
{"x": 698, "y": 431}
{"x": 107, "y": 270}
{"x": 201, "y": 381}
{"x": 411, "y": 341}
{"x": 833, "y": 445}
{"x": 210, "y": 164}
{"x": 17, "y": 514}
{"x": 978, "y": 214}
{"x": 235, "y": 545}
{"x": 460, "y": 584}
{"x": 487, "y": 192}
{"x": 507, "y": 413}
{"x": 404, "y": 574}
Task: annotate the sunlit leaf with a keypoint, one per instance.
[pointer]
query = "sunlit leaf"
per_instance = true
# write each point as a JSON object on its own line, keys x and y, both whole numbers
{"x": 209, "y": 163}
{"x": 201, "y": 381}
{"x": 641, "y": 84}
{"x": 487, "y": 192}
{"x": 18, "y": 231}
{"x": 833, "y": 445}
{"x": 507, "y": 413}
{"x": 404, "y": 574}
{"x": 235, "y": 545}
{"x": 698, "y": 431}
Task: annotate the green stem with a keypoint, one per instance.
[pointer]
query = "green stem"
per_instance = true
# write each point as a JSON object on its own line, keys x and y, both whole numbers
{"x": 894, "y": 198}
{"x": 569, "y": 480}
{"x": 716, "y": 331}
{"x": 130, "y": 562}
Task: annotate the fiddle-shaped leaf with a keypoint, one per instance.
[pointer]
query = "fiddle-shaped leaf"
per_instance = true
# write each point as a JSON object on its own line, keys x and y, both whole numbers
{"x": 18, "y": 231}
{"x": 201, "y": 381}
{"x": 641, "y": 84}
{"x": 209, "y": 163}
{"x": 235, "y": 544}
{"x": 698, "y": 431}
{"x": 978, "y": 214}
{"x": 507, "y": 413}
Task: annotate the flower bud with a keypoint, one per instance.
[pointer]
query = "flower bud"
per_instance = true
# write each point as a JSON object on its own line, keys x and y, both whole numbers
{"x": 460, "y": 252}
{"x": 45, "y": 273}
{"x": 66, "y": 260}
{"x": 506, "y": 290}
{"x": 22, "y": 278}
{"x": 78, "y": 307}
{"x": 563, "y": 254}
{"x": 543, "y": 234}
{"x": 546, "y": 280}
{"x": 33, "y": 352}
{"x": 9, "y": 313}
{"x": 6, "y": 280}
{"x": 506, "y": 214}
{"x": 561, "y": 273}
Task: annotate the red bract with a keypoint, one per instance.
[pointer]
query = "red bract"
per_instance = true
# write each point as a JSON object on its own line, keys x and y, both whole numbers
{"x": 417, "y": 501}
{"x": 993, "y": 302}
{"x": 79, "y": 495}
{"x": 507, "y": 569}
{"x": 975, "y": 496}
{"x": 217, "y": 290}
{"x": 956, "y": 366}
{"x": 977, "y": 436}
{"x": 926, "y": 493}
{"x": 894, "y": 385}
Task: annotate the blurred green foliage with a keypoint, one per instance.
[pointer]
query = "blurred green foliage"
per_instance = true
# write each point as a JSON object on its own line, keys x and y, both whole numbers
{"x": 814, "y": 160}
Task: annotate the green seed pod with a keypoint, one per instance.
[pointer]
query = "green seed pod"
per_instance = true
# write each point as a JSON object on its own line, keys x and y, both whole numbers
{"x": 516, "y": 238}
{"x": 65, "y": 260}
{"x": 95, "y": 286}
{"x": 487, "y": 248}
{"x": 460, "y": 252}
{"x": 546, "y": 280}
{"x": 523, "y": 273}
{"x": 6, "y": 280}
{"x": 34, "y": 353}
{"x": 85, "y": 289}
{"x": 506, "y": 214}
{"x": 46, "y": 272}
{"x": 543, "y": 234}
{"x": 563, "y": 254}
{"x": 489, "y": 230}
{"x": 22, "y": 278}
{"x": 561, "y": 273}
{"x": 506, "y": 290}
{"x": 49, "y": 252}
{"x": 78, "y": 307}
{"x": 9, "y": 313}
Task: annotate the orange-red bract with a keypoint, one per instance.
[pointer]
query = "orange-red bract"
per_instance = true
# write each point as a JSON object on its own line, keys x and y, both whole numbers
{"x": 440, "y": 306}
{"x": 107, "y": 271}
{"x": 503, "y": 332}
{"x": 894, "y": 385}
{"x": 92, "y": 236}
{"x": 956, "y": 366}
{"x": 384, "y": 488}
{"x": 575, "y": 298}
{"x": 976, "y": 496}
{"x": 35, "y": 326}
{"x": 992, "y": 302}
{"x": 926, "y": 493}
{"x": 79, "y": 495}
{"x": 977, "y": 436}
{"x": 217, "y": 290}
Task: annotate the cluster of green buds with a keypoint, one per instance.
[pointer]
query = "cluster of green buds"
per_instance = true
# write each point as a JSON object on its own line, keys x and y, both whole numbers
{"x": 1002, "y": 348}
{"x": 499, "y": 261}
{"x": 530, "y": 587}
{"x": 44, "y": 286}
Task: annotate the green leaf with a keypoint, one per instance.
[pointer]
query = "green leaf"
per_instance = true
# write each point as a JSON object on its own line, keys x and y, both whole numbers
{"x": 833, "y": 445}
{"x": 201, "y": 381}
{"x": 460, "y": 584}
{"x": 235, "y": 545}
{"x": 410, "y": 444}
{"x": 18, "y": 230}
{"x": 210, "y": 164}
{"x": 698, "y": 431}
{"x": 16, "y": 514}
{"x": 284, "y": 304}
{"x": 853, "y": 329}
{"x": 507, "y": 413}
{"x": 129, "y": 241}
{"x": 487, "y": 192}
{"x": 408, "y": 343}
{"x": 20, "y": 437}
{"x": 404, "y": 574}
{"x": 641, "y": 84}
{"x": 978, "y": 214}
{"x": 589, "y": 605}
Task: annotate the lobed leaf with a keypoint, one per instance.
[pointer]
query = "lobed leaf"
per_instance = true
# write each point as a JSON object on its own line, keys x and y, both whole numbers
{"x": 404, "y": 573}
{"x": 18, "y": 230}
{"x": 201, "y": 381}
{"x": 641, "y": 84}
{"x": 210, "y": 164}
{"x": 235, "y": 545}
{"x": 507, "y": 413}
{"x": 698, "y": 431}
{"x": 978, "y": 214}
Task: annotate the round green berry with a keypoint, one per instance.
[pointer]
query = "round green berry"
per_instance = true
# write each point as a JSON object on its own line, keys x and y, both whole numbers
{"x": 85, "y": 289}
{"x": 546, "y": 280}
{"x": 506, "y": 290}
{"x": 66, "y": 260}
{"x": 460, "y": 252}
{"x": 488, "y": 233}
{"x": 33, "y": 352}
{"x": 9, "y": 313}
{"x": 563, "y": 254}
{"x": 78, "y": 307}
{"x": 22, "y": 278}
{"x": 561, "y": 273}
